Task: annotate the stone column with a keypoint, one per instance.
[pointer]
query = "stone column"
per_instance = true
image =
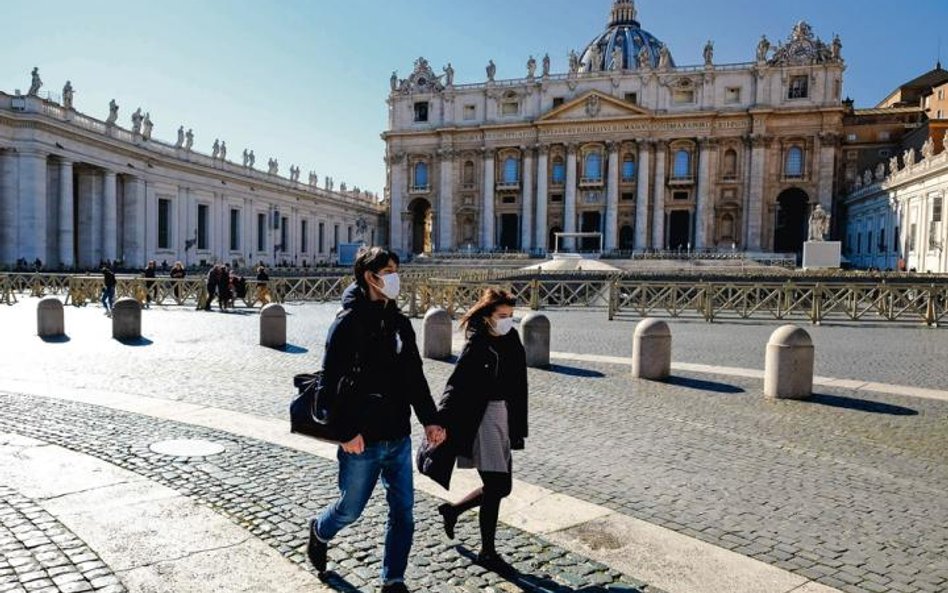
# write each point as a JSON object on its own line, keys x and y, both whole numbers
{"x": 109, "y": 217}
{"x": 658, "y": 210}
{"x": 704, "y": 198}
{"x": 32, "y": 206}
{"x": 826, "y": 168}
{"x": 397, "y": 187}
{"x": 134, "y": 228}
{"x": 612, "y": 200}
{"x": 9, "y": 207}
{"x": 755, "y": 205}
{"x": 543, "y": 196}
{"x": 487, "y": 207}
{"x": 641, "y": 195}
{"x": 569, "y": 208}
{"x": 745, "y": 189}
{"x": 67, "y": 201}
{"x": 526, "y": 220}
{"x": 446, "y": 202}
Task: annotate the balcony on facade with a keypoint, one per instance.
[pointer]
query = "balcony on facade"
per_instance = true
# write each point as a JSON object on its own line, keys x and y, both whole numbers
{"x": 681, "y": 181}
{"x": 591, "y": 182}
{"x": 419, "y": 189}
{"x": 508, "y": 185}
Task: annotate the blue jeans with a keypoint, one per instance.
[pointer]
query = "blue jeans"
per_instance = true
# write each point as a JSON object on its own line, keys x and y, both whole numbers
{"x": 358, "y": 474}
{"x": 108, "y": 297}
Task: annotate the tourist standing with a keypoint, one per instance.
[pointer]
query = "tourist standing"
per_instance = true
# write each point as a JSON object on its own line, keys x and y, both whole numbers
{"x": 263, "y": 285}
{"x": 149, "y": 275}
{"x": 108, "y": 289}
{"x": 484, "y": 409}
{"x": 177, "y": 274}
{"x": 223, "y": 287}
{"x": 376, "y": 415}
{"x": 212, "y": 279}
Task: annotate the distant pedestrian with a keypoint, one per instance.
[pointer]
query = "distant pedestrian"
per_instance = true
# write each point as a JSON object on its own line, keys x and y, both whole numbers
{"x": 177, "y": 274}
{"x": 484, "y": 411}
{"x": 150, "y": 289}
{"x": 108, "y": 289}
{"x": 263, "y": 286}
{"x": 212, "y": 279}
{"x": 223, "y": 287}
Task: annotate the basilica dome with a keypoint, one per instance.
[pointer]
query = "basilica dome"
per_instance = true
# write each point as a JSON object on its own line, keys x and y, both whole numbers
{"x": 626, "y": 34}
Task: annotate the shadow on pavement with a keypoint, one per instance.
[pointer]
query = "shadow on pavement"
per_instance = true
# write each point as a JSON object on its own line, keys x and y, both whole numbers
{"x": 336, "y": 582}
{"x": 860, "y": 405}
{"x": 55, "y": 339}
{"x": 702, "y": 385}
{"x": 574, "y": 371}
{"x": 540, "y": 584}
{"x": 292, "y": 349}
{"x": 136, "y": 342}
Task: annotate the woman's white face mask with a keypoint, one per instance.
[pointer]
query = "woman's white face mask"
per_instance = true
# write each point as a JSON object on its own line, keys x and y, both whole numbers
{"x": 391, "y": 285}
{"x": 502, "y": 326}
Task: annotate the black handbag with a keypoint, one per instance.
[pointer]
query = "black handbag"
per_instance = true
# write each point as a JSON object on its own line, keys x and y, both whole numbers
{"x": 436, "y": 462}
{"x": 313, "y": 411}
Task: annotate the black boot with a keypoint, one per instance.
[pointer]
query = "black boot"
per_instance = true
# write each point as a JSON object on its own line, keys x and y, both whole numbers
{"x": 450, "y": 518}
{"x": 492, "y": 561}
{"x": 316, "y": 550}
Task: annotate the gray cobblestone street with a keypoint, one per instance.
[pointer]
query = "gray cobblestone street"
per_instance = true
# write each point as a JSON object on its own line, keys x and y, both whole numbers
{"x": 846, "y": 489}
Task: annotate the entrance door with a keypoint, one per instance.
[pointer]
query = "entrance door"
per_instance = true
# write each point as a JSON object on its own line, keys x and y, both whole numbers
{"x": 421, "y": 221}
{"x": 591, "y": 222}
{"x": 509, "y": 231}
{"x": 791, "y": 224}
{"x": 679, "y": 227}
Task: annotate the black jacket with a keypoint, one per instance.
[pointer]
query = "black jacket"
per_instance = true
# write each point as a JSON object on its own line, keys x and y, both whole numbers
{"x": 490, "y": 367}
{"x": 392, "y": 381}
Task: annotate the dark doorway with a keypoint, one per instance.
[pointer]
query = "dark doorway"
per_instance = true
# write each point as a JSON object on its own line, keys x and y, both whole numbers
{"x": 627, "y": 238}
{"x": 421, "y": 220}
{"x": 679, "y": 230}
{"x": 509, "y": 231}
{"x": 591, "y": 222}
{"x": 793, "y": 207}
{"x": 552, "y": 240}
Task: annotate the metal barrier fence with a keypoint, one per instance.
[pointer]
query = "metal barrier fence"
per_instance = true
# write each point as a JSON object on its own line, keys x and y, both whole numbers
{"x": 816, "y": 302}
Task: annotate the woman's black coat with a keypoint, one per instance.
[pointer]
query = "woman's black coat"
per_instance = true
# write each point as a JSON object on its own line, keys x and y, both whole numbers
{"x": 488, "y": 366}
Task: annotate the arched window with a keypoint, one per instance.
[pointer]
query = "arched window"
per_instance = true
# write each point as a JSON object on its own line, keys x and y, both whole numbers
{"x": 730, "y": 164}
{"x": 421, "y": 175}
{"x": 593, "y": 168}
{"x": 468, "y": 178}
{"x": 794, "y": 165}
{"x": 628, "y": 168}
{"x": 682, "y": 169}
{"x": 511, "y": 170}
{"x": 559, "y": 171}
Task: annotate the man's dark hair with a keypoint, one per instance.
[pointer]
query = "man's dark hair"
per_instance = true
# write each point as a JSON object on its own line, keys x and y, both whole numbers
{"x": 372, "y": 259}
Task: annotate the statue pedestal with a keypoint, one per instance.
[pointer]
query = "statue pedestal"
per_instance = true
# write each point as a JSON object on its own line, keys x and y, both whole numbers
{"x": 821, "y": 255}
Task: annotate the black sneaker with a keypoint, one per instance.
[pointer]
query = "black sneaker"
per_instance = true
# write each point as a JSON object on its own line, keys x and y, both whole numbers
{"x": 316, "y": 550}
{"x": 450, "y": 518}
{"x": 395, "y": 588}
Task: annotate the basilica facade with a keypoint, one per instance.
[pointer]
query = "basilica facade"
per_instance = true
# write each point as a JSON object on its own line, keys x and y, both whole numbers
{"x": 76, "y": 191}
{"x": 626, "y": 143}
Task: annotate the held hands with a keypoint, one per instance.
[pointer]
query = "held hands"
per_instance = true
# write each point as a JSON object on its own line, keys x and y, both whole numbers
{"x": 355, "y": 447}
{"x": 435, "y": 434}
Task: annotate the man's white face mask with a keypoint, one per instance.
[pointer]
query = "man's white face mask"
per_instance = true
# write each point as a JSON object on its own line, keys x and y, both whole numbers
{"x": 391, "y": 285}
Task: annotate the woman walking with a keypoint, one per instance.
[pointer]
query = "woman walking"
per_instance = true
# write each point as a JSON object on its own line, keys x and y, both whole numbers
{"x": 484, "y": 409}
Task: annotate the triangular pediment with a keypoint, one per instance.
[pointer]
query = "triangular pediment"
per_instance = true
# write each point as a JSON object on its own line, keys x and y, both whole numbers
{"x": 594, "y": 105}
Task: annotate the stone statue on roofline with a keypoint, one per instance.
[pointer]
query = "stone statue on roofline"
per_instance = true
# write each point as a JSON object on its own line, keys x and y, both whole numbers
{"x": 709, "y": 53}
{"x": 819, "y": 223}
{"x": 68, "y": 95}
{"x": 137, "y": 118}
{"x": 546, "y": 65}
{"x": 180, "y": 141}
{"x": 531, "y": 68}
{"x": 35, "y": 83}
{"x": 491, "y": 70}
{"x": 449, "y": 75}
{"x": 147, "y": 127}
{"x": 113, "y": 112}
{"x": 189, "y": 140}
{"x": 763, "y": 48}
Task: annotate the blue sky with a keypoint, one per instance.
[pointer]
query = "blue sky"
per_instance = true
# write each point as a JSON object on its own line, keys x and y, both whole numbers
{"x": 305, "y": 80}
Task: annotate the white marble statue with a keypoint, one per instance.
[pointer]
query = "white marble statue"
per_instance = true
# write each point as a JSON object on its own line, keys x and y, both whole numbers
{"x": 880, "y": 171}
{"x": 393, "y": 81}
{"x": 894, "y": 165}
{"x": 531, "y": 67}
{"x": 819, "y": 224}
{"x": 664, "y": 58}
{"x": 35, "y": 83}
{"x": 223, "y": 150}
{"x": 216, "y": 149}
{"x": 449, "y": 75}
{"x": 709, "y": 53}
{"x": 928, "y": 149}
{"x": 867, "y": 177}
{"x": 617, "y": 57}
{"x": 643, "y": 58}
{"x": 244, "y": 158}
{"x": 909, "y": 157}
{"x": 137, "y": 121}
{"x": 147, "y": 127}
{"x": 68, "y": 93}
{"x": 763, "y": 48}
{"x": 251, "y": 159}
{"x": 837, "y": 49}
{"x": 491, "y": 70}
{"x": 189, "y": 140}
{"x": 546, "y": 65}
{"x": 595, "y": 59}
{"x": 113, "y": 112}
{"x": 180, "y": 141}
{"x": 573, "y": 62}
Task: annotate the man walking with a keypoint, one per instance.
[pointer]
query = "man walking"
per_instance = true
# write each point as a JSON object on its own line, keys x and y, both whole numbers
{"x": 373, "y": 342}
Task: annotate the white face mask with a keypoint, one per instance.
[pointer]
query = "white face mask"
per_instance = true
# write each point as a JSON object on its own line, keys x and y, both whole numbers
{"x": 503, "y": 326}
{"x": 391, "y": 286}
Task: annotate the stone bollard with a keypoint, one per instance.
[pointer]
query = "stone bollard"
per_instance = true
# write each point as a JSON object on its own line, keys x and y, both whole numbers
{"x": 535, "y": 330}
{"x": 436, "y": 330}
{"x": 50, "y": 322}
{"x": 788, "y": 370}
{"x": 273, "y": 326}
{"x": 651, "y": 350}
{"x": 127, "y": 319}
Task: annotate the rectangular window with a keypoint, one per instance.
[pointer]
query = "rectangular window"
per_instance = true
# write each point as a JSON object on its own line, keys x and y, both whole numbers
{"x": 628, "y": 196}
{"x": 284, "y": 234}
{"x": 508, "y": 199}
{"x": 203, "y": 229}
{"x": 557, "y": 102}
{"x": 349, "y": 234}
{"x": 858, "y": 243}
{"x": 683, "y": 97}
{"x": 164, "y": 224}
{"x": 680, "y": 195}
{"x": 556, "y": 197}
{"x": 261, "y": 232}
{"x": 421, "y": 112}
{"x": 852, "y": 138}
{"x": 304, "y": 236}
{"x": 937, "y": 209}
{"x": 913, "y": 236}
{"x": 234, "y": 229}
{"x": 559, "y": 172}
{"x": 470, "y": 112}
{"x": 632, "y": 98}
{"x": 508, "y": 108}
{"x": 938, "y": 114}
{"x": 869, "y": 242}
{"x": 732, "y": 95}
{"x": 335, "y": 238}
{"x": 799, "y": 87}
{"x": 322, "y": 237}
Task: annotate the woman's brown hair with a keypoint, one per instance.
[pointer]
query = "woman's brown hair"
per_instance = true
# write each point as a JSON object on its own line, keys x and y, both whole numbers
{"x": 474, "y": 320}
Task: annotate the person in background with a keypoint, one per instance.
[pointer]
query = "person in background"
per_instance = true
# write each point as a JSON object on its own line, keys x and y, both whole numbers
{"x": 263, "y": 286}
{"x": 108, "y": 289}
{"x": 177, "y": 274}
{"x": 150, "y": 288}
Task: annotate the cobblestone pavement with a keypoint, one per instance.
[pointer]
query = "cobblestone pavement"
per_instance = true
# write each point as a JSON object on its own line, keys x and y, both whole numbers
{"x": 847, "y": 489}
{"x": 39, "y": 555}
{"x": 272, "y": 492}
